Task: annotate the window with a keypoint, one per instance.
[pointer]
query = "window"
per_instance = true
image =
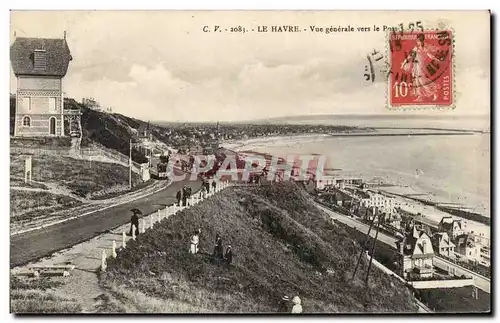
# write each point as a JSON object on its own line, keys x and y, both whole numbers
{"x": 26, "y": 121}
{"x": 40, "y": 59}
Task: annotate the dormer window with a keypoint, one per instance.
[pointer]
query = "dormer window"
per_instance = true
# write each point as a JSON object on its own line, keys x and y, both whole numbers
{"x": 40, "y": 59}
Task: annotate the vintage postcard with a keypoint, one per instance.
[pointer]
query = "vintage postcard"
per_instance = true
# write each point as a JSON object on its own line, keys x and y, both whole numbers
{"x": 276, "y": 162}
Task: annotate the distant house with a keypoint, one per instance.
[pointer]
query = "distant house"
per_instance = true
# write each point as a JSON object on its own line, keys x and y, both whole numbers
{"x": 39, "y": 65}
{"x": 416, "y": 254}
{"x": 454, "y": 228}
{"x": 340, "y": 198}
{"x": 468, "y": 248}
{"x": 443, "y": 245}
{"x": 394, "y": 220}
{"x": 485, "y": 256}
{"x": 145, "y": 132}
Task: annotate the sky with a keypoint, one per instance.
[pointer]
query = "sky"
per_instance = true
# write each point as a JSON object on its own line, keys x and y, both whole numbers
{"x": 161, "y": 66}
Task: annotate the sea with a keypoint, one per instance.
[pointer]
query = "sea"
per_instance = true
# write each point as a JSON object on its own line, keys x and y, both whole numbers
{"x": 450, "y": 168}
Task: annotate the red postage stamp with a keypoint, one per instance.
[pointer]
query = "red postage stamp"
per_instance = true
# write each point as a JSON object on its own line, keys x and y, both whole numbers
{"x": 421, "y": 69}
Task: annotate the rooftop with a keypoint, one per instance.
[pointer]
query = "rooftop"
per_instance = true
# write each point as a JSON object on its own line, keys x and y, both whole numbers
{"x": 40, "y": 56}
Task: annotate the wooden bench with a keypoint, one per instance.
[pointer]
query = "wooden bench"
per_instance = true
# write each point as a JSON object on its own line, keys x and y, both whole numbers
{"x": 57, "y": 269}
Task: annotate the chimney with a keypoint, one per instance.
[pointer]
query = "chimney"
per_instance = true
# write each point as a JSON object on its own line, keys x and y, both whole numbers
{"x": 65, "y": 34}
{"x": 402, "y": 245}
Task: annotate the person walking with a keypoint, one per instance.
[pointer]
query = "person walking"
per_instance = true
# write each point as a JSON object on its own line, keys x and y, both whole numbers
{"x": 184, "y": 195}
{"x": 134, "y": 222}
{"x": 214, "y": 185}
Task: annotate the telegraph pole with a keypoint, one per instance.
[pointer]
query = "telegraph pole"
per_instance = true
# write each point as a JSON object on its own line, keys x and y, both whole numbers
{"x": 130, "y": 165}
{"x": 372, "y": 252}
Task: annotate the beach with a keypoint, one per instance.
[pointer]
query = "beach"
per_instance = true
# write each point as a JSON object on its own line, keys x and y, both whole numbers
{"x": 442, "y": 169}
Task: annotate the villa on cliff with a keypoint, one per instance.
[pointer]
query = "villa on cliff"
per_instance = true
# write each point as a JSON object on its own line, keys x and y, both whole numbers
{"x": 416, "y": 254}
{"x": 39, "y": 65}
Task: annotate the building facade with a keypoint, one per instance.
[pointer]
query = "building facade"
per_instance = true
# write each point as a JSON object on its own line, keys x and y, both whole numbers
{"x": 443, "y": 245}
{"x": 39, "y": 65}
{"x": 453, "y": 227}
{"x": 416, "y": 254}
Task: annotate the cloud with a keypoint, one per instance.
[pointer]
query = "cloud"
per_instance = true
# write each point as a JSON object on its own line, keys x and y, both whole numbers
{"x": 161, "y": 66}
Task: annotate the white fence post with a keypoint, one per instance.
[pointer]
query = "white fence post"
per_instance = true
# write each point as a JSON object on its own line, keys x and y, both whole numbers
{"x": 133, "y": 232}
{"x": 113, "y": 251}
{"x": 124, "y": 244}
{"x": 151, "y": 223}
{"x": 142, "y": 228}
{"x": 103, "y": 261}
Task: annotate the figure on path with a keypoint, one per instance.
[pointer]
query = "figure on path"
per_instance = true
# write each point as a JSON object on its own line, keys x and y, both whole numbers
{"x": 204, "y": 192}
{"x": 184, "y": 195}
{"x": 134, "y": 221}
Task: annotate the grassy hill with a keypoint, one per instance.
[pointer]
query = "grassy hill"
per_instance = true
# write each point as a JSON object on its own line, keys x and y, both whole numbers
{"x": 113, "y": 131}
{"x": 110, "y": 130}
{"x": 282, "y": 244}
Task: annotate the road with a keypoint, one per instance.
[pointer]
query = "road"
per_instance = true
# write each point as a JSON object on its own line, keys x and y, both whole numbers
{"x": 480, "y": 281}
{"x": 30, "y": 246}
{"x": 387, "y": 239}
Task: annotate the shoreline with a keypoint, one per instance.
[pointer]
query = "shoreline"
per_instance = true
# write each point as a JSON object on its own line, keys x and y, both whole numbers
{"x": 416, "y": 197}
{"x": 246, "y": 144}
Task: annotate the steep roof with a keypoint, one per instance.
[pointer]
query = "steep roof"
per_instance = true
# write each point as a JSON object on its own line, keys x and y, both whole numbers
{"x": 57, "y": 56}
{"x": 442, "y": 238}
{"x": 465, "y": 240}
{"x": 411, "y": 243}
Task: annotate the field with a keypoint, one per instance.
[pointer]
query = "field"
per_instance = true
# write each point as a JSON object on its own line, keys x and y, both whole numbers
{"x": 35, "y": 296}
{"x": 282, "y": 244}
{"x": 60, "y": 184}
{"x": 79, "y": 177}
{"x": 455, "y": 300}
